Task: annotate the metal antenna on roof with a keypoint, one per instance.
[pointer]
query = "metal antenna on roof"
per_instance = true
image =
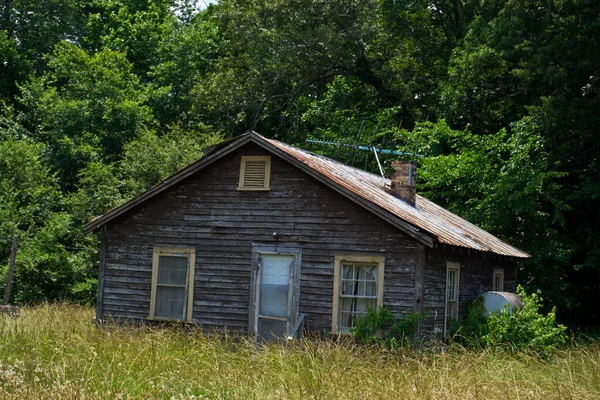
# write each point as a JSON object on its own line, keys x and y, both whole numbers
{"x": 380, "y": 168}
{"x": 371, "y": 143}
{"x": 360, "y": 131}
{"x": 365, "y": 148}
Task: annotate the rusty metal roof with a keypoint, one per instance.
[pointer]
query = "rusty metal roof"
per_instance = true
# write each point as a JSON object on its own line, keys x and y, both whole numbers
{"x": 446, "y": 227}
{"x": 424, "y": 221}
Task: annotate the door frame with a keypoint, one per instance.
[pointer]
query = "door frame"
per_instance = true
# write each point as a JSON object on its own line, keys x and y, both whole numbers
{"x": 451, "y": 266}
{"x": 293, "y": 284}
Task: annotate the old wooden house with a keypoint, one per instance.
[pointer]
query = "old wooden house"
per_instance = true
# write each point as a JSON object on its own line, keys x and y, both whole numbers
{"x": 262, "y": 237}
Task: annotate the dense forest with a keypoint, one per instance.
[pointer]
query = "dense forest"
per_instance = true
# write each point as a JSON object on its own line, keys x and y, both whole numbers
{"x": 101, "y": 99}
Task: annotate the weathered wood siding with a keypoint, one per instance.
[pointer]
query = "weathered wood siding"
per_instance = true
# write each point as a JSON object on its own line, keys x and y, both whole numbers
{"x": 208, "y": 213}
{"x": 476, "y": 277}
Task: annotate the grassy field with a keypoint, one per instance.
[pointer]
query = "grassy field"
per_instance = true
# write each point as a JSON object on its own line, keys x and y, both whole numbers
{"x": 54, "y": 351}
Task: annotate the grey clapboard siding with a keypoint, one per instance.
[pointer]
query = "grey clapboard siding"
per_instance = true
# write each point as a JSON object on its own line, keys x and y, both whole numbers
{"x": 476, "y": 277}
{"x": 208, "y": 213}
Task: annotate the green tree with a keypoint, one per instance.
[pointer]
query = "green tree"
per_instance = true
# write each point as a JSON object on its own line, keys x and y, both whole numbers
{"x": 28, "y": 191}
{"x": 537, "y": 59}
{"x": 14, "y": 67}
{"x": 36, "y": 26}
{"x": 507, "y": 184}
{"x": 186, "y": 54}
{"x": 133, "y": 27}
{"x": 276, "y": 51}
{"x": 151, "y": 158}
{"x": 31, "y": 207}
{"x": 85, "y": 108}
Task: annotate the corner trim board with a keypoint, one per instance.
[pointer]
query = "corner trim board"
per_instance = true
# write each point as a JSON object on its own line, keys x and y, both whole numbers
{"x": 101, "y": 272}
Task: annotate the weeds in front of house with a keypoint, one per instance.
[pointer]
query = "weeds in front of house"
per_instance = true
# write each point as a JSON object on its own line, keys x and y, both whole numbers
{"x": 54, "y": 351}
{"x": 382, "y": 327}
{"x": 524, "y": 329}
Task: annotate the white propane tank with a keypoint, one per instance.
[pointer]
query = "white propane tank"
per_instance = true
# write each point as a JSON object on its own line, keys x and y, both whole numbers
{"x": 496, "y": 301}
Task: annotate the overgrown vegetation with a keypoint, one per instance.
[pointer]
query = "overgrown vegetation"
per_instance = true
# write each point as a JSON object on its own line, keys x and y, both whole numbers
{"x": 100, "y": 99}
{"x": 381, "y": 326}
{"x": 524, "y": 329}
{"x": 54, "y": 351}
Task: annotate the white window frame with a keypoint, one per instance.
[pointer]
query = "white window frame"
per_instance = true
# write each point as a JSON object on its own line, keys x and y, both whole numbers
{"x": 190, "y": 253}
{"x": 454, "y": 302}
{"x": 267, "y": 179}
{"x": 498, "y": 273}
{"x": 337, "y": 273}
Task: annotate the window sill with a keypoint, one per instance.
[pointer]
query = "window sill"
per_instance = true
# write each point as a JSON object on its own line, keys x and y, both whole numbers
{"x": 179, "y": 321}
{"x": 242, "y": 189}
{"x": 340, "y": 334}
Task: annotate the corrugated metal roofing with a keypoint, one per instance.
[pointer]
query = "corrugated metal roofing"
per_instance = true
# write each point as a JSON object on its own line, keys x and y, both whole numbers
{"x": 446, "y": 227}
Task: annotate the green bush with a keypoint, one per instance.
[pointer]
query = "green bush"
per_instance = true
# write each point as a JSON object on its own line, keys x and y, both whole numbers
{"x": 400, "y": 331}
{"x": 522, "y": 329}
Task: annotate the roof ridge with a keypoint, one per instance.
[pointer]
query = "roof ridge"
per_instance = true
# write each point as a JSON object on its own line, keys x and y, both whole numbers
{"x": 374, "y": 175}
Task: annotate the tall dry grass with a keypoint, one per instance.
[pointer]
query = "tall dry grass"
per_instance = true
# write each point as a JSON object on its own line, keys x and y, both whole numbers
{"x": 54, "y": 351}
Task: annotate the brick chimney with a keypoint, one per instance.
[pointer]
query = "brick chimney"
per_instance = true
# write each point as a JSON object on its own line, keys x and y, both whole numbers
{"x": 404, "y": 181}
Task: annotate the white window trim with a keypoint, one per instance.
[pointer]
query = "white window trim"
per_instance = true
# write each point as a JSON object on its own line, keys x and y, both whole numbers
{"x": 339, "y": 259}
{"x": 451, "y": 266}
{"x": 498, "y": 272}
{"x": 169, "y": 251}
{"x": 267, "y": 180}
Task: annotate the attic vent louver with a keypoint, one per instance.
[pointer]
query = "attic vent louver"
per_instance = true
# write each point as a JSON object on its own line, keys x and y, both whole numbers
{"x": 255, "y": 173}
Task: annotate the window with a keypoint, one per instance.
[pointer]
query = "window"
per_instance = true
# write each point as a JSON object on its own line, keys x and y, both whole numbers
{"x": 498, "y": 280}
{"x": 358, "y": 286}
{"x": 452, "y": 284}
{"x": 255, "y": 173}
{"x": 172, "y": 284}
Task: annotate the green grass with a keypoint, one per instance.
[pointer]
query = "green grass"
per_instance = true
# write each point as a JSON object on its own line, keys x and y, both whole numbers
{"x": 54, "y": 351}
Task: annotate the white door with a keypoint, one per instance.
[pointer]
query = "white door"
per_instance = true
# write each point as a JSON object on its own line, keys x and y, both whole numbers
{"x": 274, "y": 295}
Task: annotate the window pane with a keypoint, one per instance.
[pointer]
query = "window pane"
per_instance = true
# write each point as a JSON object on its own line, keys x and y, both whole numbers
{"x": 274, "y": 285}
{"x": 172, "y": 270}
{"x": 451, "y": 285}
{"x": 498, "y": 283}
{"x": 170, "y": 302}
{"x": 270, "y": 329}
{"x": 363, "y": 305}
{"x": 352, "y": 308}
{"x": 371, "y": 289}
{"x": 349, "y": 287}
{"x": 371, "y": 272}
{"x": 360, "y": 287}
{"x": 348, "y": 304}
{"x": 346, "y": 320}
